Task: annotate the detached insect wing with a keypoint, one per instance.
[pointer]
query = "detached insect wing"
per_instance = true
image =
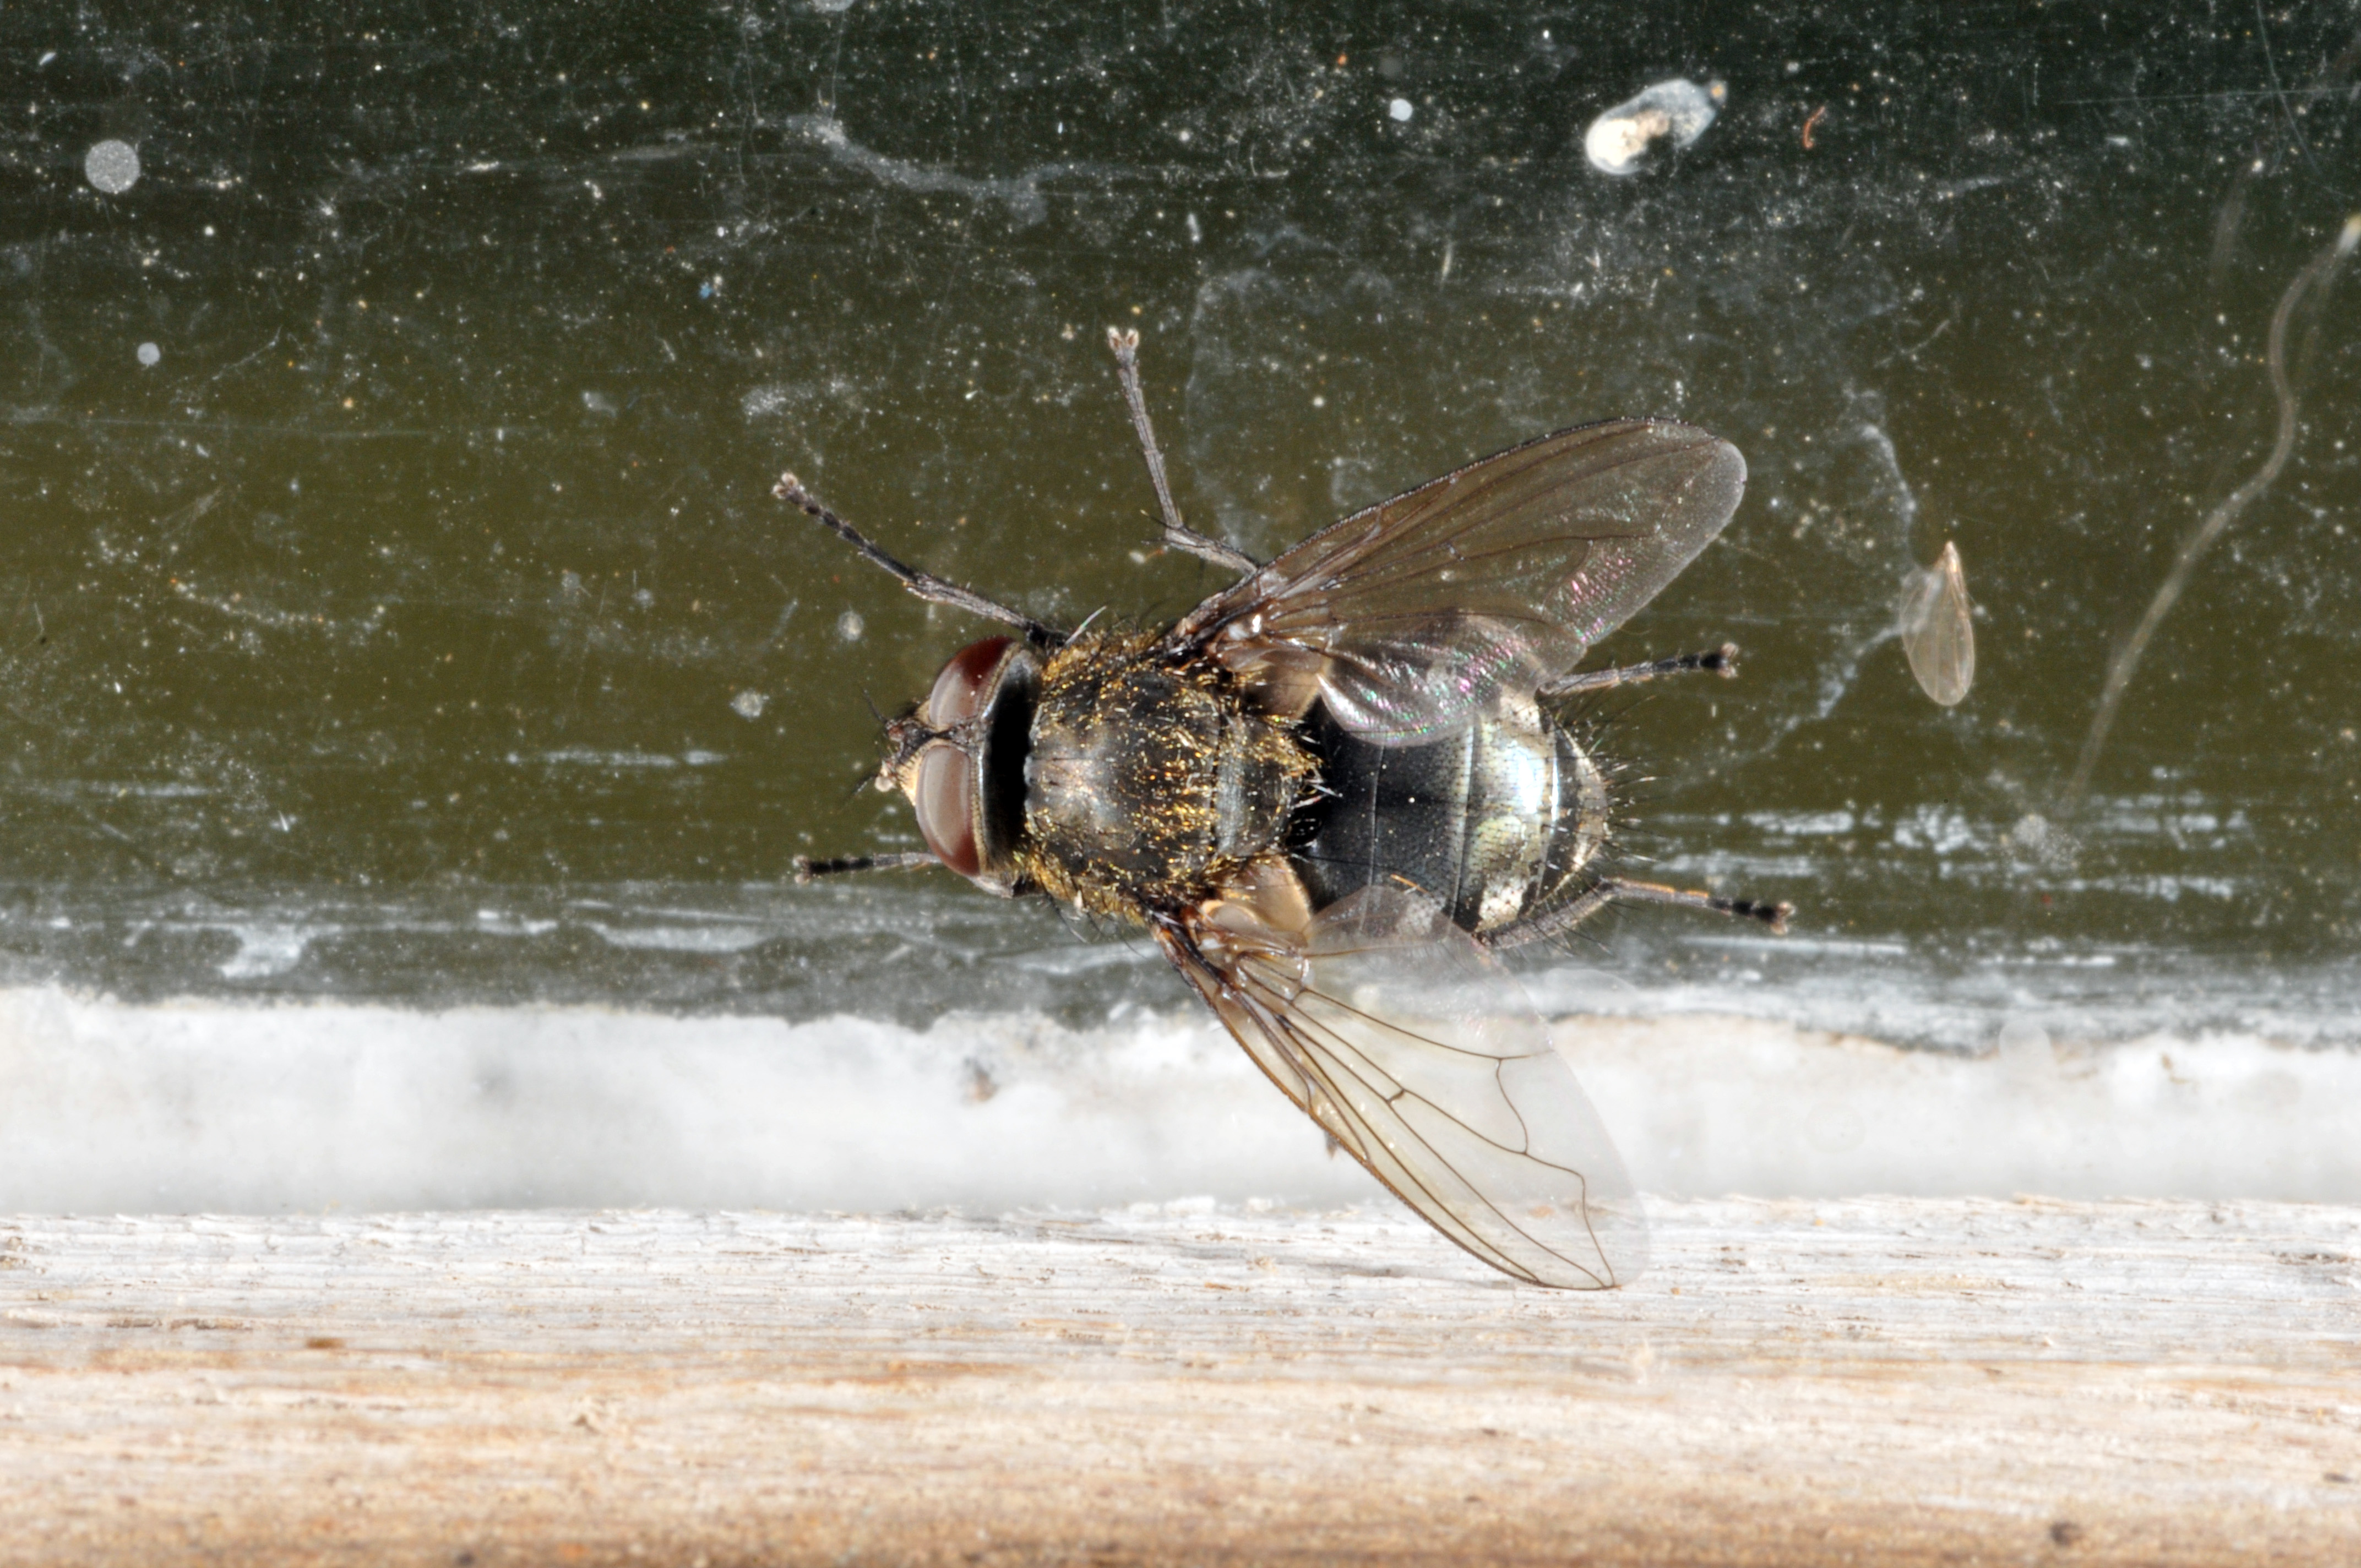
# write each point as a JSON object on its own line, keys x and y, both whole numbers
{"x": 1335, "y": 789}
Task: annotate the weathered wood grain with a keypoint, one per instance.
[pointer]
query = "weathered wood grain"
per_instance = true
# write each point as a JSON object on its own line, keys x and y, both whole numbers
{"x": 1883, "y": 1381}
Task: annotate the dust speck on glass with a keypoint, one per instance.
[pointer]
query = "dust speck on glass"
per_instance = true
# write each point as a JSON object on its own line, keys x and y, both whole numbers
{"x": 391, "y": 418}
{"x": 1666, "y": 115}
{"x": 112, "y": 166}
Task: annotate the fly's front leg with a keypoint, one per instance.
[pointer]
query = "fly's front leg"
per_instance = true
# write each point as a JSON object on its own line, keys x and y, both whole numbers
{"x": 1721, "y": 661}
{"x": 1613, "y": 890}
{"x": 809, "y": 869}
{"x": 927, "y": 585}
{"x": 1177, "y": 535}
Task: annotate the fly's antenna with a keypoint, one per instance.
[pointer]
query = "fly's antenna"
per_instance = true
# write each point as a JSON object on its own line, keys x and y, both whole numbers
{"x": 1177, "y": 535}
{"x": 927, "y": 586}
{"x": 810, "y": 869}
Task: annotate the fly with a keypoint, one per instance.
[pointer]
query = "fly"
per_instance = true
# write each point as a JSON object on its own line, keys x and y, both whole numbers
{"x": 1337, "y": 789}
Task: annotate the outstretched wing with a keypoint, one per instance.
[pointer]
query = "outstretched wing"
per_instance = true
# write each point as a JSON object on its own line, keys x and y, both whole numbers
{"x": 1420, "y": 1055}
{"x": 1411, "y": 614}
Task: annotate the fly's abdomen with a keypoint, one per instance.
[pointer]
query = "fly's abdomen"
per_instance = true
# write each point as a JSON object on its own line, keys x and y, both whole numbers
{"x": 1492, "y": 820}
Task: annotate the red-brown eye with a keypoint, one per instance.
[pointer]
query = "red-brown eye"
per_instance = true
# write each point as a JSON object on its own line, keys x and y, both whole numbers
{"x": 964, "y": 682}
{"x": 945, "y": 802}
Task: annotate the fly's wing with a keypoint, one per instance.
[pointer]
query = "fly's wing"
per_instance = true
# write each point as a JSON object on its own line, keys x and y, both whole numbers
{"x": 1416, "y": 1051}
{"x": 1416, "y": 612}
{"x": 1939, "y": 632}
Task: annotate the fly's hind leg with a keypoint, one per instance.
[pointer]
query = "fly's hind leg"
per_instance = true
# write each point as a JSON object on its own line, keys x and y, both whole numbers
{"x": 926, "y": 585}
{"x": 1177, "y": 535}
{"x": 1721, "y": 661}
{"x": 1613, "y": 890}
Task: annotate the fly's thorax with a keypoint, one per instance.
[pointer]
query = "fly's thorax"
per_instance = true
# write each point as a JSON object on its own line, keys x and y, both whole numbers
{"x": 1149, "y": 780}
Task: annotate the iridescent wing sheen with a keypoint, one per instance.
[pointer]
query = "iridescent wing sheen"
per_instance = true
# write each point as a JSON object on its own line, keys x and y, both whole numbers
{"x": 1411, "y": 614}
{"x": 1421, "y": 1056}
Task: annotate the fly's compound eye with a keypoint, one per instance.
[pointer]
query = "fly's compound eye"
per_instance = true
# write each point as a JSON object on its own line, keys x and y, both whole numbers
{"x": 967, "y": 779}
{"x": 964, "y": 684}
{"x": 944, "y": 799}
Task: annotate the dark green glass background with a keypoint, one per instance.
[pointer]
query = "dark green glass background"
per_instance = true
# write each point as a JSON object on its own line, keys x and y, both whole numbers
{"x": 382, "y": 637}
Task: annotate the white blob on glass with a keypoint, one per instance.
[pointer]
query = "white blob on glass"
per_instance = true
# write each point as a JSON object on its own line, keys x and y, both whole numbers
{"x": 749, "y": 704}
{"x": 1938, "y": 637}
{"x": 2023, "y": 1037}
{"x": 1401, "y": 110}
{"x": 1677, "y": 111}
{"x": 148, "y": 353}
{"x": 849, "y": 626}
{"x": 2024, "y": 1052}
{"x": 2037, "y": 839}
{"x": 112, "y": 166}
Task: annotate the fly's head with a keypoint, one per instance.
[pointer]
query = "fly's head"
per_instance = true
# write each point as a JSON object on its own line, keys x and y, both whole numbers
{"x": 959, "y": 758}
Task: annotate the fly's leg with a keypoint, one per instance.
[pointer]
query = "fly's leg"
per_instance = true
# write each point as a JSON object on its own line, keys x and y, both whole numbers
{"x": 1721, "y": 661}
{"x": 1177, "y": 535}
{"x": 1614, "y": 890}
{"x": 927, "y": 585}
{"x": 1774, "y": 916}
{"x": 809, "y": 869}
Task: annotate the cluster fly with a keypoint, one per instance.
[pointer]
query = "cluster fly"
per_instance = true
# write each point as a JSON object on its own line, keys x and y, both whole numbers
{"x": 1335, "y": 791}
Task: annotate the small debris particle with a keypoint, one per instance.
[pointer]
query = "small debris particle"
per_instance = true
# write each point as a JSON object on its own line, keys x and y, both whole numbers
{"x": 112, "y": 166}
{"x": 1677, "y": 110}
{"x": 981, "y": 1085}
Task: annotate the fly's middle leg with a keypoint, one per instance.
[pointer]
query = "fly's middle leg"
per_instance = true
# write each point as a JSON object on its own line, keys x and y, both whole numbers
{"x": 1177, "y": 535}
